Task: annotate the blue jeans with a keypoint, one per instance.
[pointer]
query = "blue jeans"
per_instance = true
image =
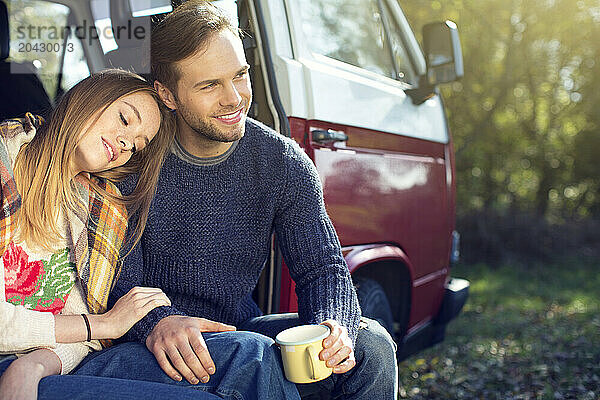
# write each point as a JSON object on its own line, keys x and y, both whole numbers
{"x": 60, "y": 387}
{"x": 248, "y": 367}
{"x": 375, "y": 376}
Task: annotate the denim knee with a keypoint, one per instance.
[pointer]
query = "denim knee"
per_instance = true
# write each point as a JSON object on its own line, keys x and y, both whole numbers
{"x": 249, "y": 343}
{"x": 375, "y": 343}
{"x": 375, "y": 375}
{"x": 253, "y": 339}
{"x": 119, "y": 361}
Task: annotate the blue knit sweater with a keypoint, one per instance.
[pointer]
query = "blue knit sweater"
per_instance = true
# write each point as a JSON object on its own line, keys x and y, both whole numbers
{"x": 208, "y": 232}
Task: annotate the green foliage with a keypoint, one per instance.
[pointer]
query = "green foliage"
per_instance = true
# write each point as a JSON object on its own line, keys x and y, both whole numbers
{"x": 524, "y": 118}
{"x": 526, "y": 332}
{"x": 519, "y": 237}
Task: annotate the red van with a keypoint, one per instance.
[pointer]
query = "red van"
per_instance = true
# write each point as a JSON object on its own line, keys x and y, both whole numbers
{"x": 349, "y": 82}
{"x": 359, "y": 96}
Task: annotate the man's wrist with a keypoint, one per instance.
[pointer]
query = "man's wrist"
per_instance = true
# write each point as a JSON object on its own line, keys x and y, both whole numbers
{"x": 148, "y": 324}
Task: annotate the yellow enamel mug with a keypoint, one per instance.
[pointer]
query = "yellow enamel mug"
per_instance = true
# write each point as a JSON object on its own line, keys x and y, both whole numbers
{"x": 300, "y": 348}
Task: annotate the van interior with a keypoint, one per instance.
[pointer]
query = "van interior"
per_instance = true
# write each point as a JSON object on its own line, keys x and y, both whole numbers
{"x": 33, "y": 78}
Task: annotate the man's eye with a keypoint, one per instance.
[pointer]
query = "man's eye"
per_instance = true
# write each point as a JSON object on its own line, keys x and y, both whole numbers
{"x": 123, "y": 120}
{"x": 208, "y": 86}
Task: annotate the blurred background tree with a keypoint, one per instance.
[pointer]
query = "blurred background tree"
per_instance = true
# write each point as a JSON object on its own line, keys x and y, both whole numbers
{"x": 526, "y": 124}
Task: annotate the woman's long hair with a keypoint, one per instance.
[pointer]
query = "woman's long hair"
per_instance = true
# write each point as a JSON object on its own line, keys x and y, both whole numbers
{"x": 43, "y": 168}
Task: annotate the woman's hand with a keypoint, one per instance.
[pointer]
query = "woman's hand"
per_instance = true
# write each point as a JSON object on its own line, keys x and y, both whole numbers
{"x": 20, "y": 380}
{"x": 129, "y": 309}
{"x": 113, "y": 324}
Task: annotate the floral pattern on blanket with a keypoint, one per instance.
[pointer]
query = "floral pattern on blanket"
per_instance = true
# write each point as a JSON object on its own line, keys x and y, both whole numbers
{"x": 37, "y": 285}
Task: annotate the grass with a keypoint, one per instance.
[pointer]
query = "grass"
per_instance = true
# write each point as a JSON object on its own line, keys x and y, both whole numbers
{"x": 526, "y": 332}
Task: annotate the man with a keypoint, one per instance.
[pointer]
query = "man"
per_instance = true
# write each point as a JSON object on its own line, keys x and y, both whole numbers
{"x": 227, "y": 185}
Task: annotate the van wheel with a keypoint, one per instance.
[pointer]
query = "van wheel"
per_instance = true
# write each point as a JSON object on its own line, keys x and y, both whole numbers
{"x": 374, "y": 303}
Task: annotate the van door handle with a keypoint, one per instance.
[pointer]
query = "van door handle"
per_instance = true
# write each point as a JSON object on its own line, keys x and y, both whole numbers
{"x": 329, "y": 135}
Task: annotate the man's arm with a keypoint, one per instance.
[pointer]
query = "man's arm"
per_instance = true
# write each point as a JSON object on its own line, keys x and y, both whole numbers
{"x": 174, "y": 339}
{"x": 131, "y": 275}
{"x": 313, "y": 254}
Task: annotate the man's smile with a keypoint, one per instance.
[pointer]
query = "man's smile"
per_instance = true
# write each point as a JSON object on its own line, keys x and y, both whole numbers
{"x": 232, "y": 118}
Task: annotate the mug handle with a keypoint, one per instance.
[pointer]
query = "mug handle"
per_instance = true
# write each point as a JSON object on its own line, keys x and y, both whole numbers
{"x": 312, "y": 355}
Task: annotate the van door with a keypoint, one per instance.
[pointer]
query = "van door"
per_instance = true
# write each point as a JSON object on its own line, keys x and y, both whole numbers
{"x": 382, "y": 159}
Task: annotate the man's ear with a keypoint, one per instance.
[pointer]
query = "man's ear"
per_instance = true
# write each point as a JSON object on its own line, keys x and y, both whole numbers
{"x": 165, "y": 95}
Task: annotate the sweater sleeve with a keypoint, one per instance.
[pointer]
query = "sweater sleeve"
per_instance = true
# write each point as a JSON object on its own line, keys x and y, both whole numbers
{"x": 28, "y": 330}
{"x": 131, "y": 275}
{"x": 71, "y": 354}
{"x": 22, "y": 329}
{"x": 311, "y": 248}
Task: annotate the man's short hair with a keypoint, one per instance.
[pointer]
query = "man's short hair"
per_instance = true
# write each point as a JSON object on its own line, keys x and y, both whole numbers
{"x": 181, "y": 34}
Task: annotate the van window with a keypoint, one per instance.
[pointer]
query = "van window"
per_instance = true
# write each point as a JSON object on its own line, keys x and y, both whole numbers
{"x": 75, "y": 67}
{"x": 350, "y": 31}
{"x": 101, "y": 14}
{"x": 230, "y": 9}
{"x": 39, "y": 38}
{"x": 141, "y": 8}
{"x": 404, "y": 69}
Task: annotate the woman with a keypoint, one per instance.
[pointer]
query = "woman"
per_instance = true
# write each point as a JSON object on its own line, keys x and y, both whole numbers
{"x": 62, "y": 225}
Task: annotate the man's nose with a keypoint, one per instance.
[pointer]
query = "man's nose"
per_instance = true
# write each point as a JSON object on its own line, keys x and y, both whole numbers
{"x": 231, "y": 96}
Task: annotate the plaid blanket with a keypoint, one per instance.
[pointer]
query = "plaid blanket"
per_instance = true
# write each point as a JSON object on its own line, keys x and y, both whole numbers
{"x": 97, "y": 236}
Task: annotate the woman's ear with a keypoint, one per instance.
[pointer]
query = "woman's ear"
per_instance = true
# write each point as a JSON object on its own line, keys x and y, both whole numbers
{"x": 165, "y": 95}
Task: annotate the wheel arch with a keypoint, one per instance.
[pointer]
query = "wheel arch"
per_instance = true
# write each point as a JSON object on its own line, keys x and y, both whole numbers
{"x": 390, "y": 267}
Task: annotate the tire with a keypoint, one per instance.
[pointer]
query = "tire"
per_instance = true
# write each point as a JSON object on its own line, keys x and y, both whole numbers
{"x": 374, "y": 303}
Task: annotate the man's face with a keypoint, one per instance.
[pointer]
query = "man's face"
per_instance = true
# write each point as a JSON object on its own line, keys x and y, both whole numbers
{"x": 214, "y": 93}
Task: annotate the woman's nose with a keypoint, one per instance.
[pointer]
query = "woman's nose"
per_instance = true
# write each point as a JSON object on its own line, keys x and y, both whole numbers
{"x": 124, "y": 143}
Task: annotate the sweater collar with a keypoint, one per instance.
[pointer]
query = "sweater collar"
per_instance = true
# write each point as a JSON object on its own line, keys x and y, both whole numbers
{"x": 184, "y": 155}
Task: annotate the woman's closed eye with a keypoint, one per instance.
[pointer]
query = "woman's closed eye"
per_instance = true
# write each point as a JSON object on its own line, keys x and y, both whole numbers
{"x": 123, "y": 120}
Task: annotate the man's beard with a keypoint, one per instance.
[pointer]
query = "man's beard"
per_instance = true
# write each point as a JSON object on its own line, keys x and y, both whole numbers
{"x": 209, "y": 130}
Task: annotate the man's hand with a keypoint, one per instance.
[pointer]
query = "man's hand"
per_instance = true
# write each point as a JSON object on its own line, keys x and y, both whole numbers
{"x": 338, "y": 351}
{"x": 177, "y": 343}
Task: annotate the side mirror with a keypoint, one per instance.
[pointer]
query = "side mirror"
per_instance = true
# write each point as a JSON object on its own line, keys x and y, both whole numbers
{"x": 444, "y": 59}
{"x": 442, "y": 52}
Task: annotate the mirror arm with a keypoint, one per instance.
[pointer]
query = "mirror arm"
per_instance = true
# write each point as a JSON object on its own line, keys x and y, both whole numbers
{"x": 421, "y": 93}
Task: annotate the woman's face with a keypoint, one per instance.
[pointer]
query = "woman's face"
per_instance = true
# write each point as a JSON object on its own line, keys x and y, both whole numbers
{"x": 126, "y": 126}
